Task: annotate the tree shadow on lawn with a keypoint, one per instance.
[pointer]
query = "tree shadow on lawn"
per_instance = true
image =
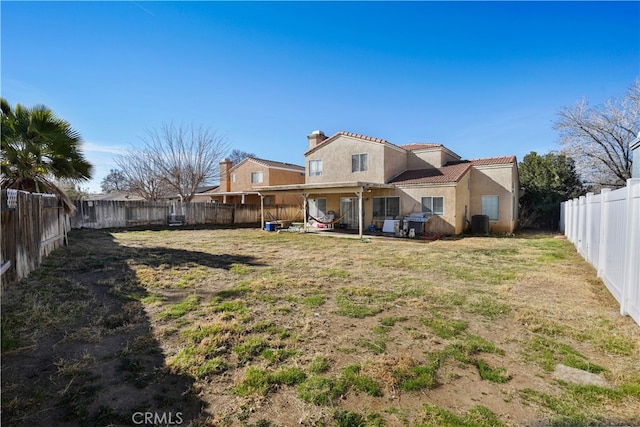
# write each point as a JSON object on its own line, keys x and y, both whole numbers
{"x": 77, "y": 344}
{"x": 159, "y": 256}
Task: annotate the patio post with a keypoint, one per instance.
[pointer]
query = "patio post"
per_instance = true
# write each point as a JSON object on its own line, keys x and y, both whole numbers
{"x": 360, "y": 219}
{"x": 261, "y": 211}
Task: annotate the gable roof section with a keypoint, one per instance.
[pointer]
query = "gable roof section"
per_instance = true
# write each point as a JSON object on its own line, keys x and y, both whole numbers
{"x": 207, "y": 190}
{"x": 492, "y": 161}
{"x": 271, "y": 164}
{"x": 352, "y": 135}
{"x": 357, "y": 135}
{"x": 446, "y": 174}
{"x": 420, "y": 146}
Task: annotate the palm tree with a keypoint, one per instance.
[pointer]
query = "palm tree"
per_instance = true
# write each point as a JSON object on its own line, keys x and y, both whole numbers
{"x": 37, "y": 148}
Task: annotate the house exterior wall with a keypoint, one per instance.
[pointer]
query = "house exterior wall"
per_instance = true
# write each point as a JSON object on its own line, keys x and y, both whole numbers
{"x": 411, "y": 201}
{"x": 456, "y": 198}
{"x": 243, "y": 173}
{"x": 283, "y": 177}
{"x": 395, "y": 162}
{"x": 462, "y": 199}
{"x": 430, "y": 158}
{"x": 239, "y": 179}
{"x": 463, "y": 203}
{"x": 336, "y": 161}
{"x": 501, "y": 181}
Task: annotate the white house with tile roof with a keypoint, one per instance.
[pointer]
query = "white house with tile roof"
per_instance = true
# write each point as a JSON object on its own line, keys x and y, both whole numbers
{"x": 364, "y": 181}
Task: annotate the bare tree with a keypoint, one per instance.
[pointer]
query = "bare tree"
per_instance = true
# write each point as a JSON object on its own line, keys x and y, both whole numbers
{"x": 143, "y": 177}
{"x": 598, "y": 138}
{"x": 115, "y": 181}
{"x": 174, "y": 159}
{"x": 237, "y": 156}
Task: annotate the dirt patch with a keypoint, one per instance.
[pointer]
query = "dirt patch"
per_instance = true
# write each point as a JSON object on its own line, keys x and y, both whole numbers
{"x": 85, "y": 356}
{"x": 243, "y": 327}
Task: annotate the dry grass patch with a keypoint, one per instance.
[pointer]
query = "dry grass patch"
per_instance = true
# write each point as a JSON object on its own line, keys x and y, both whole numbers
{"x": 281, "y": 329}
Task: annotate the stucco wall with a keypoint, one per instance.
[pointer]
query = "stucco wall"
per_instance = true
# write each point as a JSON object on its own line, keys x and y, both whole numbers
{"x": 496, "y": 181}
{"x": 395, "y": 162}
{"x": 285, "y": 177}
{"x": 336, "y": 161}
{"x": 429, "y": 157}
{"x": 462, "y": 200}
{"x": 270, "y": 176}
{"x": 456, "y": 197}
{"x": 241, "y": 176}
{"x": 463, "y": 197}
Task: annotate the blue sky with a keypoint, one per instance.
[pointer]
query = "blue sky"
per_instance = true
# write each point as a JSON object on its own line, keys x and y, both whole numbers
{"x": 483, "y": 78}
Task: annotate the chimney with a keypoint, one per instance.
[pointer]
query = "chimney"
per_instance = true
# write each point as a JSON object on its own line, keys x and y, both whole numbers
{"x": 316, "y": 137}
{"x": 225, "y": 177}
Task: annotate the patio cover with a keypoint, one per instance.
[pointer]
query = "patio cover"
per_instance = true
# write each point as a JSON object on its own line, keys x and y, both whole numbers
{"x": 355, "y": 187}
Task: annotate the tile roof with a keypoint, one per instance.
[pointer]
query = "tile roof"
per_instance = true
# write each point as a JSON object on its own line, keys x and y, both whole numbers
{"x": 419, "y": 146}
{"x": 207, "y": 190}
{"x": 366, "y": 138}
{"x": 503, "y": 160}
{"x": 351, "y": 134}
{"x": 275, "y": 164}
{"x": 445, "y": 174}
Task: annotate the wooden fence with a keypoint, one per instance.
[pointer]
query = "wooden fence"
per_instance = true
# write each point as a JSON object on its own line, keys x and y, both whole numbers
{"x": 605, "y": 229}
{"x": 117, "y": 214}
{"x": 33, "y": 225}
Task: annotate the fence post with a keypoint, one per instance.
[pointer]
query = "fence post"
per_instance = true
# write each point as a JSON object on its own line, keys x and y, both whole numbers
{"x": 575, "y": 222}
{"x": 588, "y": 238}
{"x": 580, "y": 242}
{"x": 632, "y": 254}
{"x": 568, "y": 215}
{"x": 571, "y": 218}
{"x": 604, "y": 220}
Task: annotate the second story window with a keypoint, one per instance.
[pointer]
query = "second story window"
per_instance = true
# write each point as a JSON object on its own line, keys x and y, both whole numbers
{"x": 359, "y": 162}
{"x": 315, "y": 167}
{"x": 256, "y": 177}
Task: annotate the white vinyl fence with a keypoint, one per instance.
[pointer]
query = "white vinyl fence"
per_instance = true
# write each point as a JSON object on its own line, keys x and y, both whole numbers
{"x": 605, "y": 229}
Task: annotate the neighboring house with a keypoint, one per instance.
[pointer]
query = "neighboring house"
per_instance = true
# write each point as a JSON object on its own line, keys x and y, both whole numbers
{"x": 364, "y": 181}
{"x": 114, "y": 195}
{"x": 203, "y": 194}
{"x": 200, "y": 195}
{"x": 239, "y": 183}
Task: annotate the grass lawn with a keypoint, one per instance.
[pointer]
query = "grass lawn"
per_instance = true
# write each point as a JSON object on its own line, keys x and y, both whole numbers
{"x": 228, "y": 327}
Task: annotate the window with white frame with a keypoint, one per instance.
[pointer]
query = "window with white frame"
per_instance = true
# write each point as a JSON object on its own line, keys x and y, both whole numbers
{"x": 433, "y": 205}
{"x": 359, "y": 162}
{"x": 386, "y": 207}
{"x": 256, "y": 177}
{"x": 233, "y": 177}
{"x": 490, "y": 207}
{"x": 315, "y": 167}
